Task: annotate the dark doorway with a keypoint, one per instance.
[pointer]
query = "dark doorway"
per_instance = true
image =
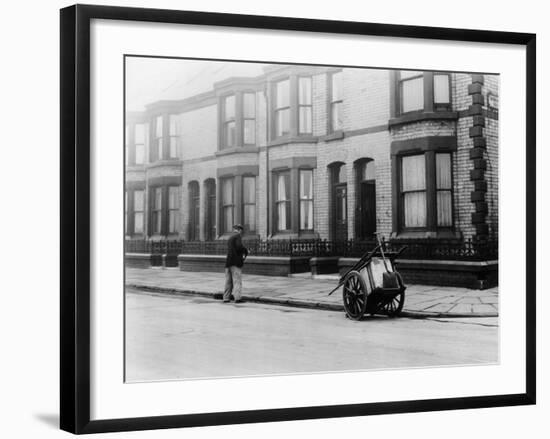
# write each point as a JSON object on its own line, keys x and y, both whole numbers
{"x": 210, "y": 214}
{"x": 365, "y": 218}
{"x": 339, "y": 202}
{"x": 194, "y": 211}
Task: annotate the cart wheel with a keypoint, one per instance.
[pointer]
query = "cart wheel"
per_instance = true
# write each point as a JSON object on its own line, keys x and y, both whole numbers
{"x": 393, "y": 307}
{"x": 355, "y": 295}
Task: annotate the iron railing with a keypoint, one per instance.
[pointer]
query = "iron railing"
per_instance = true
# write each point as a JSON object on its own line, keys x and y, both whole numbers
{"x": 465, "y": 249}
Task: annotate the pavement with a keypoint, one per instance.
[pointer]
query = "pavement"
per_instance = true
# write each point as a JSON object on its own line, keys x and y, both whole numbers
{"x": 306, "y": 291}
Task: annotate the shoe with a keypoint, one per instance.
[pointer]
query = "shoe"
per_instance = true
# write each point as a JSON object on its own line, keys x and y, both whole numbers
{"x": 226, "y": 300}
{"x": 239, "y": 301}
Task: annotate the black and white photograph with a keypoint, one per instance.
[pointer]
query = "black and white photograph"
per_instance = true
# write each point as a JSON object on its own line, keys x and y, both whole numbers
{"x": 286, "y": 219}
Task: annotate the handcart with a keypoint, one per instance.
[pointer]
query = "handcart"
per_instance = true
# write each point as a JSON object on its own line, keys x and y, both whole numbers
{"x": 373, "y": 285}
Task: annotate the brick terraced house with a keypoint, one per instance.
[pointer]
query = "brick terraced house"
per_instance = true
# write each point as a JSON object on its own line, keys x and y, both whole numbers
{"x": 313, "y": 161}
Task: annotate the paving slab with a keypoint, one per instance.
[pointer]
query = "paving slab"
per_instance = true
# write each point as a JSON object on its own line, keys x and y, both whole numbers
{"x": 312, "y": 291}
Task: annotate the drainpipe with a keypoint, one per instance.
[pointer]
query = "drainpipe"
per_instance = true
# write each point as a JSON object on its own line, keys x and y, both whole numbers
{"x": 268, "y": 192}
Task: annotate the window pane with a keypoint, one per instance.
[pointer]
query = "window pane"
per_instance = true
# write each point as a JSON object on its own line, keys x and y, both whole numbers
{"x": 306, "y": 184}
{"x": 228, "y": 218}
{"x": 249, "y": 105}
{"x": 250, "y": 217}
{"x": 304, "y": 93}
{"x": 283, "y": 122}
{"x": 140, "y": 154}
{"x": 412, "y": 95}
{"x": 173, "y": 147}
{"x": 415, "y": 209}
{"x": 306, "y": 215}
{"x": 336, "y": 116}
{"x": 368, "y": 171}
{"x": 409, "y": 74}
{"x": 413, "y": 173}
{"x": 138, "y": 201}
{"x": 138, "y": 222}
{"x": 340, "y": 175}
{"x": 158, "y": 198}
{"x": 283, "y": 94}
{"x": 305, "y": 119}
{"x": 173, "y": 125}
{"x": 173, "y": 221}
{"x": 443, "y": 171}
{"x": 249, "y": 131}
{"x": 159, "y": 126}
{"x": 441, "y": 89}
{"x": 230, "y": 134}
{"x": 249, "y": 190}
{"x": 173, "y": 197}
{"x": 230, "y": 107}
{"x": 444, "y": 208}
{"x": 227, "y": 191}
{"x": 139, "y": 134}
{"x": 336, "y": 87}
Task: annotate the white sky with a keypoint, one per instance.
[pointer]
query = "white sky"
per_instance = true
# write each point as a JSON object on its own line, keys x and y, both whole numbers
{"x": 153, "y": 79}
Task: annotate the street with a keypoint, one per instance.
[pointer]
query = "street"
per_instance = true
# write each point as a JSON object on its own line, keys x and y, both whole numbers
{"x": 183, "y": 337}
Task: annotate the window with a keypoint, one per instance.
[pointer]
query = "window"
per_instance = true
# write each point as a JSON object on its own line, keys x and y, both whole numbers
{"x": 441, "y": 90}
{"x": 282, "y": 108}
{"x": 249, "y": 118}
{"x": 139, "y": 142}
{"x": 173, "y": 209}
{"x": 228, "y": 205}
{"x": 158, "y": 138}
{"x": 426, "y": 181}
{"x": 173, "y": 136}
{"x": 156, "y": 216}
{"x": 282, "y": 201}
{"x": 304, "y": 106}
{"x": 411, "y": 87}
{"x": 367, "y": 171}
{"x": 306, "y": 199}
{"x": 336, "y": 101}
{"x": 249, "y": 203}
{"x": 229, "y": 129}
{"x": 139, "y": 208}
{"x": 194, "y": 211}
{"x": 413, "y": 190}
{"x": 444, "y": 190}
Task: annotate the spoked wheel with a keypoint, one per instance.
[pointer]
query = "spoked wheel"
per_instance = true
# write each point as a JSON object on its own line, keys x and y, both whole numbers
{"x": 392, "y": 306}
{"x": 355, "y": 295}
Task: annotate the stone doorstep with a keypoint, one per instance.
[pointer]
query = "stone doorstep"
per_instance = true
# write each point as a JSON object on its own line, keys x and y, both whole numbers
{"x": 412, "y": 313}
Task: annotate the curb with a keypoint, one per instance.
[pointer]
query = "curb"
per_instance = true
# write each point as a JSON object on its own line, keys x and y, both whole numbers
{"x": 302, "y": 303}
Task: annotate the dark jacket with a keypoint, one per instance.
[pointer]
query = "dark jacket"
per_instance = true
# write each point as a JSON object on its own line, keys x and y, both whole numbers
{"x": 235, "y": 251}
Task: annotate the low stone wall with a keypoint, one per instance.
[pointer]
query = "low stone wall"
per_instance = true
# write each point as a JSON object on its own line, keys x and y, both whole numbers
{"x": 262, "y": 265}
{"x": 142, "y": 260}
{"x": 470, "y": 274}
{"x": 324, "y": 265}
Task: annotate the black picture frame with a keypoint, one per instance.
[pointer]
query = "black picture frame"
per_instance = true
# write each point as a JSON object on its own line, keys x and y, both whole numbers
{"x": 75, "y": 215}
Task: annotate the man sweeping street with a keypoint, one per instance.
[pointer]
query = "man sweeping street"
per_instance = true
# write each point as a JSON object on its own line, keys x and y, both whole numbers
{"x": 236, "y": 254}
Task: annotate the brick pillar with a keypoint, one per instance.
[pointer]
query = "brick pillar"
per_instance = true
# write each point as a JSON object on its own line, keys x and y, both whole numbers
{"x": 477, "y": 157}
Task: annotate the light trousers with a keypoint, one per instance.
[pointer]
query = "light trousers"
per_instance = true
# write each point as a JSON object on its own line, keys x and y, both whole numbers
{"x": 233, "y": 283}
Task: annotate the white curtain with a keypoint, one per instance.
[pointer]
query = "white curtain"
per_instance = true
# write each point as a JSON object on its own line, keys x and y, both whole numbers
{"x": 306, "y": 200}
{"x": 282, "y": 206}
{"x": 412, "y": 94}
{"x": 414, "y": 179}
{"x": 444, "y": 186}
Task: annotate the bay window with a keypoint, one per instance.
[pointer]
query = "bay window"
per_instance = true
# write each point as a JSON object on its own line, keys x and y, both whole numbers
{"x": 173, "y": 209}
{"x": 249, "y": 203}
{"x": 158, "y": 138}
{"x": 173, "y": 132}
{"x": 229, "y": 125}
{"x": 282, "y": 201}
{"x": 304, "y": 106}
{"x": 249, "y": 118}
{"x": 228, "y": 205}
{"x": 282, "y": 108}
{"x": 335, "y": 109}
{"x": 306, "y": 199}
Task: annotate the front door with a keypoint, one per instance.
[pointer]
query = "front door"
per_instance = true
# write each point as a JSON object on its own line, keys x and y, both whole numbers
{"x": 341, "y": 212}
{"x": 367, "y": 209}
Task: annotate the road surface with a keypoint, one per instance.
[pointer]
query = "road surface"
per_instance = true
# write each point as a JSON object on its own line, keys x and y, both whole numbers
{"x": 182, "y": 337}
